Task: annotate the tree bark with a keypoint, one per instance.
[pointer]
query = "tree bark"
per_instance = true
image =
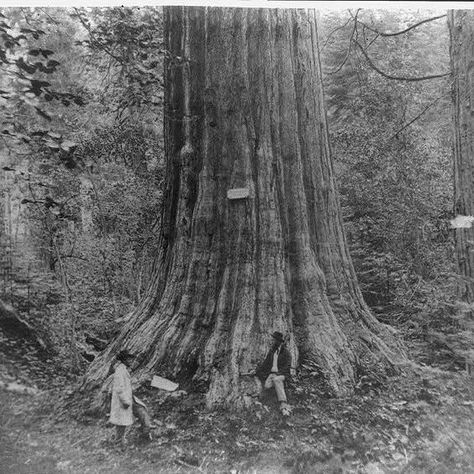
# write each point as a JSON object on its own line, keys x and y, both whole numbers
{"x": 244, "y": 109}
{"x": 461, "y": 29}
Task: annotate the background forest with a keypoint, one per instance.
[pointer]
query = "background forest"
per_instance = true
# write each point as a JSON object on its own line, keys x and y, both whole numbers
{"x": 82, "y": 170}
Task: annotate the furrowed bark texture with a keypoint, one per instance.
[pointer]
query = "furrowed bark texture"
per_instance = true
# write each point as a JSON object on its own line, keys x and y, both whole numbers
{"x": 244, "y": 109}
{"x": 461, "y": 29}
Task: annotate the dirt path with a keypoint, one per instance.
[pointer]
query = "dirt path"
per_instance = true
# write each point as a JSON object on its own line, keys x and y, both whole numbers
{"x": 415, "y": 423}
{"x": 35, "y": 442}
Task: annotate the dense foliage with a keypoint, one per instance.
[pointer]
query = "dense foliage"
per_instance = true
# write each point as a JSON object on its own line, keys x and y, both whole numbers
{"x": 82, "y": 158}
{"x": 392, "y": 145}
{"x": 91, "y": 188}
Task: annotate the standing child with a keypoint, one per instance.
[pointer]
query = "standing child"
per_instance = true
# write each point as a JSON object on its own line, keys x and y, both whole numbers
{"x": 124, "y": 404}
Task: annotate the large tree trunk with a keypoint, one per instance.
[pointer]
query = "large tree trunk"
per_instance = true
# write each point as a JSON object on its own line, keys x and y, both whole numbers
{"x": 244, "y": 109}
{"x": 461, "y": 28}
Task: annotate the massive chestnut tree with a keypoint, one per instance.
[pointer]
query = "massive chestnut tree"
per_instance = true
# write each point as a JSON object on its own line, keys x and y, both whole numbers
{"x": 252, "y": 239}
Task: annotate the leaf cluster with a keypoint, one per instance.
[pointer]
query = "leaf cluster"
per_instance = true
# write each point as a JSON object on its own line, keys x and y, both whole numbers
{"x": 27, "y": 87}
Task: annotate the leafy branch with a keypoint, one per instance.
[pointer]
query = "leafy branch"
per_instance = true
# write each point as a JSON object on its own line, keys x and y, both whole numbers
{"x": 425, "y": 109}
{"x": 354, "y": 31}
{"x": 94, "y": 41}
{"x": 406, "y": 30}
{"x": 333, "y": 32}
{"x": 353, "y": 40}
{"x": 22, "y": 71}
{"x": 396, "y": 78}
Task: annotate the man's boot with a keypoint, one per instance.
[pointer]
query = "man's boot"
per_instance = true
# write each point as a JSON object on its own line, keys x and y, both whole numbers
{"x": 285, "y": 409}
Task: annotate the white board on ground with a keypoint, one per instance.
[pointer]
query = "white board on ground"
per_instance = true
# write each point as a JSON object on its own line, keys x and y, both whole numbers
{"x": 238, "y": 193}
{"x": 164, "y": 384}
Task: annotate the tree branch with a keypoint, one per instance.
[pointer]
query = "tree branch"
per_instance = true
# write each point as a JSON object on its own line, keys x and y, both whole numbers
{"x": 372, "y": 41}
{"x": 418, "y": 116}
{"x": 333, "y": 32}
{"x": 349, "y": 47}
{"x": 74, "y": 256}
{"x": 381, "y": 33}
{"x": 56, "y": 22}
{"x": 397, "y": 78}
{"x": 94, "y": 41}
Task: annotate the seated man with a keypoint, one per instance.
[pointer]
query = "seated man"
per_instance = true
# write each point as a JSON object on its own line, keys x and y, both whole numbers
{"x": 275, "y": 369}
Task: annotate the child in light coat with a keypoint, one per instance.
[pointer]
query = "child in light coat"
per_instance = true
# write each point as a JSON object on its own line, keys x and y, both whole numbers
{"x": 125, "y": 405}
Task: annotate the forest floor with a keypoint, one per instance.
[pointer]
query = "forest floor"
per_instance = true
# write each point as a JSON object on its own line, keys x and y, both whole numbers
{"x": 418, "y": 422}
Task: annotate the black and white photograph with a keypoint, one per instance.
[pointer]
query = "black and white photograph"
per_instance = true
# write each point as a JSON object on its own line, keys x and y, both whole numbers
{"x": 236, "y": 237}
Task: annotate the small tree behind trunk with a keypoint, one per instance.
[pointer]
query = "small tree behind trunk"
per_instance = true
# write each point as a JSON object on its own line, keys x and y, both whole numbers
{"x": 461, "y": 29}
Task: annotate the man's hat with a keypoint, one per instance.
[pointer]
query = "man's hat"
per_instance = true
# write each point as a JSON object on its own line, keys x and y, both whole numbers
{"x": 124, "y": 355}
{"x": 278, "y": 336}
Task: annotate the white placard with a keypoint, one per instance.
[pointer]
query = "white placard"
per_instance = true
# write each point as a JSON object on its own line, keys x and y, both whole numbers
{"x": 238, "y": 193}
{"x": 164, "y": 384}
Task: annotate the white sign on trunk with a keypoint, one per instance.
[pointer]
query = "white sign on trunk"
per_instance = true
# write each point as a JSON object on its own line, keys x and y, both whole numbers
{"x": 238, "y": 193}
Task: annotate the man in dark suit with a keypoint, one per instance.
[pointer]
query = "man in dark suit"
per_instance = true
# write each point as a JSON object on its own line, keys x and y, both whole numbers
{"x": 275, "y": 369}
